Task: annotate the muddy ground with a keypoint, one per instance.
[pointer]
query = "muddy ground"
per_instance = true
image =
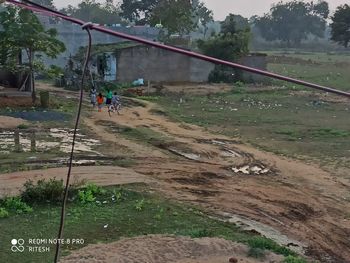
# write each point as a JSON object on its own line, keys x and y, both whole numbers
{"x": 303, "y": 203}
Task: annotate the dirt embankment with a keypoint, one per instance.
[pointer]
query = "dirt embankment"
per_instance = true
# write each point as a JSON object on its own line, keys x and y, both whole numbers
{"x": 167, "y": 249}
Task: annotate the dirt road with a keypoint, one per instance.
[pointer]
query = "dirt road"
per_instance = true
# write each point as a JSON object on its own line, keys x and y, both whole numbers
{"x": 224, "y": 176}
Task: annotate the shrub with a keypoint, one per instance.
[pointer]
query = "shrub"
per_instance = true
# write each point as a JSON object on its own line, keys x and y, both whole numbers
{"x": 3, "y": 212}
{"x": 293, "y": 259}
{"x": 89, "y": 193}
{"x": 86, "y": 196}
{"x": 17, "y": 205}
{"x": 43, "y": 191}
{"x": 263, "y": 243}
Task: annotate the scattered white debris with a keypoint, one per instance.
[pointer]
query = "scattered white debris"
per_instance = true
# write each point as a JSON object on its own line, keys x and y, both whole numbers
{"x": 248, "y": 170}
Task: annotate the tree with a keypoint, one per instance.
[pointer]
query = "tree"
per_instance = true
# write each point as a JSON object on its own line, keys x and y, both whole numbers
{"x": 340, "y": 26}
{"x": 46, "y": 3}
{"x": 205, "y": 16}
{"x": 22, "y": 30}
{"x": 175, "y": 15}
{"x": 90, "y": 10}
{"x": 293, "y": 21}
{"x": 234, "y": 23}
{"x": 230, "y": 44}
{"x": 138, "y": 11}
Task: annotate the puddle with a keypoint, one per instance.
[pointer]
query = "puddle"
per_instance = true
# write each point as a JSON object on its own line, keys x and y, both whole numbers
{"x": 266, "y": 231}
{"x": 190, "y": 156}
{"x": 43, "y": 141}
{"x": 230, "y": 153}
{"x": 251, "y": 170}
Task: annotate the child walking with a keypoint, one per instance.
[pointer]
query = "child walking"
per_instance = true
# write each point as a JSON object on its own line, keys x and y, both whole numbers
{"x": 93, "y": 93}
{"x": 116, "y": 102}
{"x": 100, "y": 102}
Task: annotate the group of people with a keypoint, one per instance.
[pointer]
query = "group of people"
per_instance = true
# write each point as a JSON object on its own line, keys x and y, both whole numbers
{"x": 112, "y": 100}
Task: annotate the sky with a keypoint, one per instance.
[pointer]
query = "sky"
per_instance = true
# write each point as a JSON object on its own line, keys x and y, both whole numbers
{"x": 222, "y": 8}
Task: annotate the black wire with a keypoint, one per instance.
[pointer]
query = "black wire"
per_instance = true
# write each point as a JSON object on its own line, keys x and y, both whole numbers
{"x": 64, "y": 201}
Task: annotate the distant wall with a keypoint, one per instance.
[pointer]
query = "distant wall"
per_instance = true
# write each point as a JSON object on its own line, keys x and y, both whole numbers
{"x": 74, "y": 37}
{"x": 254, "y": 60}
{"x": 160, "y": 66}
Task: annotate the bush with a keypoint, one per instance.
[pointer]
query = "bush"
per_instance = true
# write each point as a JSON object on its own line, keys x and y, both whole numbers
{"x": 263, "y": 243}
{"x": 16, "y": 205}
{"x": 292, "y": 259}
{"x": 3, "y": 212}
{"x": 89, "y": 193}
{"x": 43, "y": 191}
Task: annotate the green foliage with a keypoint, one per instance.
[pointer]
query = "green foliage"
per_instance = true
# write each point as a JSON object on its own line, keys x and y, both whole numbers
{"x": 340, "y": 26}
{"x": 3, "y": 212}
{"x": 234, "y": 24}
{"x": 230, "y": 44}
{"x": 86, "y": 196}
{"x": 89, "y": 193}
{"x": 198, "y": 233}
{"x": 140, "y": 204}
{"x": 294, "y": 259}
{"x": 137, "y": 11}
{"x": 43, "y": 191}
{"x": 256, "y": 253}
{"x": 90, "y": 10}
{"x": 263, "y": 243}
{"x": 204, "y": 15}
{"x": 175, "y": 15}
{"x": 293, "y": 21}
{"x": 54, "y": 72}
{"x": 16, "y": 205}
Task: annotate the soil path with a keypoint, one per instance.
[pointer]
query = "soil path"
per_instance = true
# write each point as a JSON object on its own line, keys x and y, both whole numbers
{"x": 166, "y": 249}
{"x": 12, "y": 183}
{"x": 229, "y": 178}
{"x": 301, "y": 200}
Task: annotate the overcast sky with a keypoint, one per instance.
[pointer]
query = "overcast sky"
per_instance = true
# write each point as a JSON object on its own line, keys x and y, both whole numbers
{"x": 222, "y": 8}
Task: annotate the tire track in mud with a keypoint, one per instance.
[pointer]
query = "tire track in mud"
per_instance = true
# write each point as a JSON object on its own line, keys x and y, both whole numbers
{"x": 217, "y": 177}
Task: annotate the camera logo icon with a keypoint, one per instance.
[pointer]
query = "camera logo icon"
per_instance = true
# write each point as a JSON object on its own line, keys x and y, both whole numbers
{"x": 17, "y": 245}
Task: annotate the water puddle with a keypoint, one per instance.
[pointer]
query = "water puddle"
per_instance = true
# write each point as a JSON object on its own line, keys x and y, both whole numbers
{"x": 43, "y": 141}
{"x": 190, "y": 156}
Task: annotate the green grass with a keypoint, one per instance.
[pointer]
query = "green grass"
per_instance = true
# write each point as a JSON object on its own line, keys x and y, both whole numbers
{"x": 290, "y": 124}
{"x": 134, "y": 212}
{"x": 320, "y": 68}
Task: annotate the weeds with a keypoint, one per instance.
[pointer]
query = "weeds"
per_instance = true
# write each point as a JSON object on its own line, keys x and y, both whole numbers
{"x": 293, "y": 259}
{"x": 16, "y": 205}
{"x": 140, "y": 204}
{"x": 43, "y": 191}
{"x": 3, "y": 212}
{"x": 263, "y": 243}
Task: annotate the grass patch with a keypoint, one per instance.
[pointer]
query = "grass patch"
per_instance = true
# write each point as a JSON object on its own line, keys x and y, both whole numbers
{"x": 294, "y": 259}
{"x": 114, "y": 213}
{"x": 295, "y": 125}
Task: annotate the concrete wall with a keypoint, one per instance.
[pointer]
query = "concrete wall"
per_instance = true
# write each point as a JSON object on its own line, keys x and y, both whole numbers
{"x": 255, "y": 60}
{"x": 74, "y": 37}
{"x": 160, "y": 66}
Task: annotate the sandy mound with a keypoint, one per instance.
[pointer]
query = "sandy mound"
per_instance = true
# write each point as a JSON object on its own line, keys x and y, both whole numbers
{"x": 10, "y": 122}
{"x": 162, "y": 249}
